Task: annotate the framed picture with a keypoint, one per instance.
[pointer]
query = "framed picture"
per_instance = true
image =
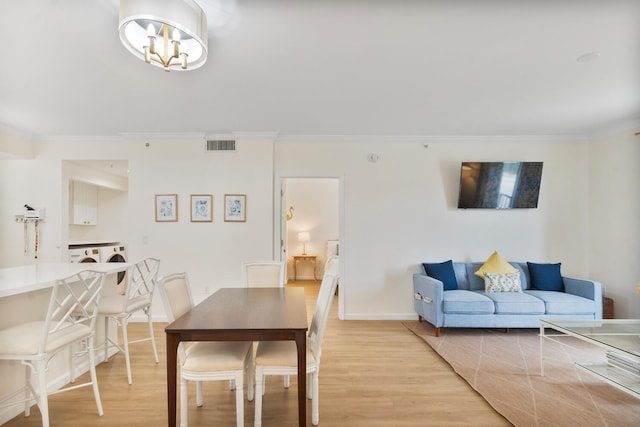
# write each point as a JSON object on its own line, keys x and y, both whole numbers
{"x": 201, "y": 208}
{"x": 235, "y": 207}
{"x": 166, "y": 207}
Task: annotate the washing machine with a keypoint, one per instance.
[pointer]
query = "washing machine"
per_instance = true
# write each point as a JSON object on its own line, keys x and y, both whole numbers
{"x": 113, "y": 253}
{"x": 116, "y": 253}
{"x": 88, "y": 254}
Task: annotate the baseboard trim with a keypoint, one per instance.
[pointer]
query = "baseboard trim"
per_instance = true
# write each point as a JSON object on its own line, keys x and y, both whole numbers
{"x": 381, "y": 316}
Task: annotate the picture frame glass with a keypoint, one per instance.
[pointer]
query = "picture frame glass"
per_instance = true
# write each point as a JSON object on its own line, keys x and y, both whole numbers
{"x": 235, "y": 207}
{"x": 166, "y": 207}
{"x": 201, "y": 208}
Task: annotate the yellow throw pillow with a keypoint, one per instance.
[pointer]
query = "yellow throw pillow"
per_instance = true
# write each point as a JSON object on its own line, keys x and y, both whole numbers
{"x": 497, "y": 265}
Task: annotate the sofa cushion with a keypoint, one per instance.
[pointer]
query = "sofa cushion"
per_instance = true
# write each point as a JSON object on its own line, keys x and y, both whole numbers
{"x": 460, "y": 269}
{"x": 495, "y": 264}
{"x": 563, "y": 303}
{"x": 545, "y": 277}
{"x": 509, "y": 282}
{"x": 442, "y": 271}
{"x": 475, "y": 283}
{"x": 525, "y": 282}
{"x": 515, "y": 303}
{"x": 465, "y": 302}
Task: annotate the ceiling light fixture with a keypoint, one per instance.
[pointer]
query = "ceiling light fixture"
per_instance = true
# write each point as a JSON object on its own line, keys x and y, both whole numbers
{"x": 165, "y": 33}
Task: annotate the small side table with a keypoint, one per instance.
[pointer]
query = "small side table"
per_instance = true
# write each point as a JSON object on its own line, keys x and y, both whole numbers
{"x": 310, "y": 258}
{"x": 607, "y": 308}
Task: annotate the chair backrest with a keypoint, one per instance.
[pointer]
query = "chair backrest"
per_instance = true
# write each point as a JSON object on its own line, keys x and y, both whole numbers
{"x": 143, "y": 278}
{"x": 74, "y": 300}
{"x": 263, "y": 274}
{"x": 321, "y": 313}
{"x": 175, "y": 293}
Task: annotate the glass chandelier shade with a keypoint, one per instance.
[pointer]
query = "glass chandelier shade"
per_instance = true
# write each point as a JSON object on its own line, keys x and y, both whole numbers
{"x": 167, "y": 33}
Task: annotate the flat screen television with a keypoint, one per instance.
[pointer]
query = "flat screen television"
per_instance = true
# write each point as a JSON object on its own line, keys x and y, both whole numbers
{"x": 499, "y": 185}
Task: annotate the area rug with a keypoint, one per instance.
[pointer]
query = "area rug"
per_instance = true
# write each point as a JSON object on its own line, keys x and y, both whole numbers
{"x": 504, "y": 367}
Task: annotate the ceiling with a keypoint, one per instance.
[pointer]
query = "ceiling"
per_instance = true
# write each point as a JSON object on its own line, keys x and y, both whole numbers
{"x": 350, "y": 67}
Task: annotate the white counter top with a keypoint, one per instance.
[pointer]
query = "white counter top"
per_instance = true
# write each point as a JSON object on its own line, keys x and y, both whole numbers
{"x": 92, "y": 243}
{"x": 27, "y": 278}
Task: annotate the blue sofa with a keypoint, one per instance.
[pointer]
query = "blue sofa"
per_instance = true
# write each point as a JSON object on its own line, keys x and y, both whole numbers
{"x": 469, "y": 306}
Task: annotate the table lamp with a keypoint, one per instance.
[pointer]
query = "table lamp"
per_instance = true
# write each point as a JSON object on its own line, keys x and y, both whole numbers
{"x": 304, "y": 237}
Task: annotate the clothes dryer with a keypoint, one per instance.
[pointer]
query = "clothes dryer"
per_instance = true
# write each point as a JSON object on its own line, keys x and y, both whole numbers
{"x": 116, "y": 253}
{"x": 113, "y": 253}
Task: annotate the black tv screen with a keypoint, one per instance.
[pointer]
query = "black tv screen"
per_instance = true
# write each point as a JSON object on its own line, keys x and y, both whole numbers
{"x": 499, "y": 185}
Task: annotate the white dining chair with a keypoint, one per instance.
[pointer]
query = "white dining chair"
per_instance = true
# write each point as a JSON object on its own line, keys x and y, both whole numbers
{"x": 281, "y": 357}
{"x": 263, "y": 274}
{"x": 141, "y": 284}
{"x": 70, "y": 320}
{"x": 205, "y": 361}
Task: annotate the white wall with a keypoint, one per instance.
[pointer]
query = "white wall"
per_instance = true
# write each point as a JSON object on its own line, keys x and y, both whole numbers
{"x": 12, "y": 146}
{"x": 614, "y": 218}
{"x": 401, "y": 211}
{"x": 395, "y": 213}
{"x": 37, "y": 183}
{"x": 212, "y": 253}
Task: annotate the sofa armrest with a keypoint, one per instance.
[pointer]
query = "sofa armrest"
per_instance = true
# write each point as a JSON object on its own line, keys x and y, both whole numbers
{"x": 587, "y": 289}
{"x": 428, "y": 294}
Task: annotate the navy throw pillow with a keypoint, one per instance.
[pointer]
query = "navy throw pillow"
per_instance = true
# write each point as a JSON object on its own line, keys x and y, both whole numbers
{"x": 442, "y": 271}
{"x": 545, "y": 277}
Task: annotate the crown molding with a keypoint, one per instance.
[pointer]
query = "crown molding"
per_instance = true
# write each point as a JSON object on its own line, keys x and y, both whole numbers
{"x": 256, "y": 136}
{"x": 430, "y": 139}
{"x": 302, "y": 138}
{"x": 80, "y": 138}
{"x": 164, "y": 136}
{"x": 126, "y": 137}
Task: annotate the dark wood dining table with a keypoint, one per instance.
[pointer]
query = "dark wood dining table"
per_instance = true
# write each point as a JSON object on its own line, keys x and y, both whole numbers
{"x": 242, "y": 314}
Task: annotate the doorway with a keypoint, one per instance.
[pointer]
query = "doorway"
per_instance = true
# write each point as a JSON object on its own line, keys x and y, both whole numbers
{"x": 310, "y": 227}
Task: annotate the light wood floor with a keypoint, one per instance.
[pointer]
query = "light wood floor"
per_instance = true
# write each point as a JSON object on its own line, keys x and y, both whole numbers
{"x": 373, "y": 373}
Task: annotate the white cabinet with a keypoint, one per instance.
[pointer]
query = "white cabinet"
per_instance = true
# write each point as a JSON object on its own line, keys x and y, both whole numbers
{"x": 84, "y": 203}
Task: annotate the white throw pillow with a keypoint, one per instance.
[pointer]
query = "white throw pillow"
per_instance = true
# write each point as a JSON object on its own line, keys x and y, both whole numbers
{"x": 509, "y": 282}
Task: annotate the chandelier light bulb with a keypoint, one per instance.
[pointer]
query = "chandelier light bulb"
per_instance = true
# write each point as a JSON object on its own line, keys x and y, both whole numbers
{"x": 175, "y": 40}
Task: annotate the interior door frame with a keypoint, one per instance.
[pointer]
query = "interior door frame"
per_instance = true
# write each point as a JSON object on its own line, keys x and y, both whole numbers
{"x": 280, "y": 211}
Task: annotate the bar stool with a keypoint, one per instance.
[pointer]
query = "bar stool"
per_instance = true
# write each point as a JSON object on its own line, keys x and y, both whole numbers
{"x": 119, "y": 308}
{"x": 70, "y": 320}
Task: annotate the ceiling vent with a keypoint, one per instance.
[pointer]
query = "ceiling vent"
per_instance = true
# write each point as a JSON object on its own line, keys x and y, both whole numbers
{"x": 221, "y": 145}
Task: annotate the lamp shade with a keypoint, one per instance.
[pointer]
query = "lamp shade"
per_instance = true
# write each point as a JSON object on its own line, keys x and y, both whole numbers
{"x": 185, "y": 19}
{"x": 304, "y": 236}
